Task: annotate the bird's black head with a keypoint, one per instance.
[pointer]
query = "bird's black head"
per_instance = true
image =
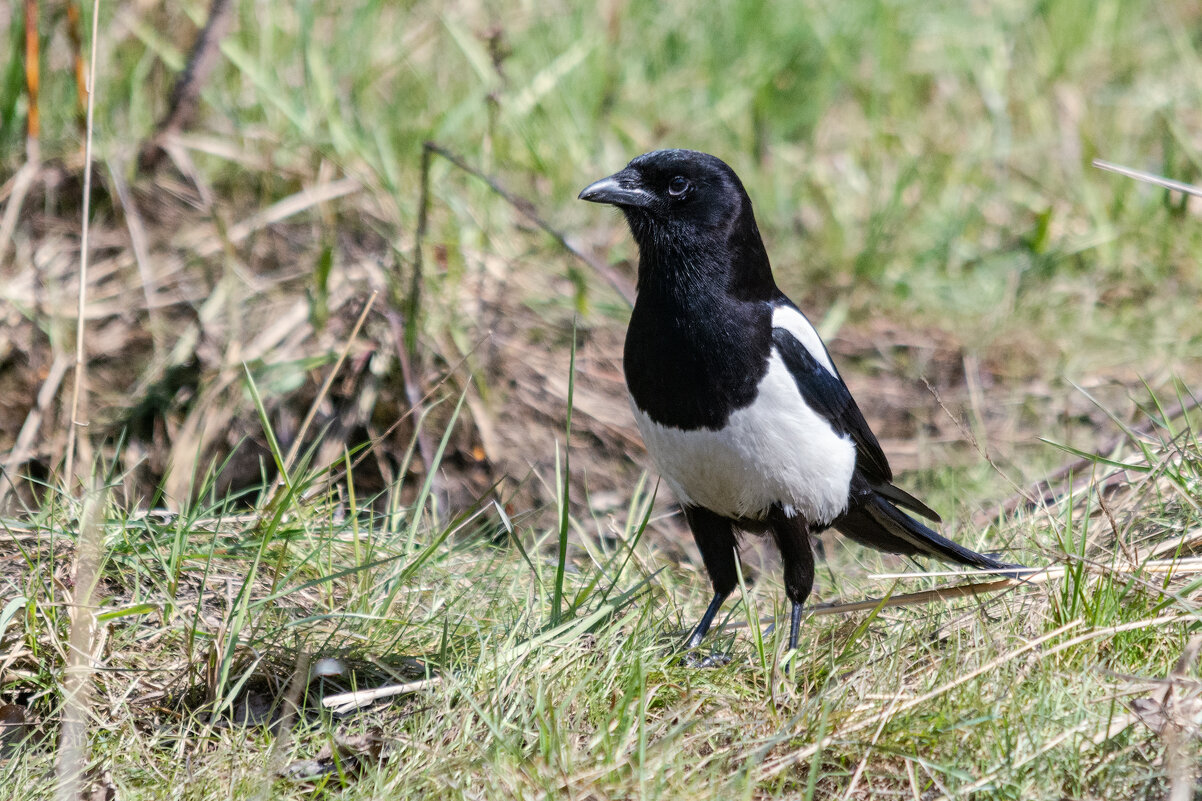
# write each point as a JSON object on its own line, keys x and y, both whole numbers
{"x": 689, "y": 213}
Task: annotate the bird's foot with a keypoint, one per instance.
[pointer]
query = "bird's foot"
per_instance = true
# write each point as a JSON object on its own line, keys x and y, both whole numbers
{"x": 711, "y": 660}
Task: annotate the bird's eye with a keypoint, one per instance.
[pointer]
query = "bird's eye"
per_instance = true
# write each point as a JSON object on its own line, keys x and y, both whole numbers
{"x": 678, "y": 186}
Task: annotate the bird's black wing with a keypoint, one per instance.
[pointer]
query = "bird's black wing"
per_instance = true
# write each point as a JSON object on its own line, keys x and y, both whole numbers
{"x": 827, "y": 395}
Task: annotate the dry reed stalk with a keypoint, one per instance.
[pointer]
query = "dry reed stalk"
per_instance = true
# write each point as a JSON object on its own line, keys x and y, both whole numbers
{"x": 347, "y": 702}
{"x": 79, "y": 385}
{"x": 1148, "y": 177}
{"x": 81, "y": 653}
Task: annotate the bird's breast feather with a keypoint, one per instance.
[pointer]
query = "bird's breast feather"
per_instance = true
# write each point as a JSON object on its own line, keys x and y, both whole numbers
{"x": 775, "y": 451}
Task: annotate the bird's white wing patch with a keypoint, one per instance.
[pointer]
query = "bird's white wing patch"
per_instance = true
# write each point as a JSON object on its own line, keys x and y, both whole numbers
{"x": 803, "y": 331}
{"x": 776, "y": 451}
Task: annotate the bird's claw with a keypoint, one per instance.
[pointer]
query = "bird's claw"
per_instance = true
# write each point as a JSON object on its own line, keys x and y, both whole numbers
{"x": 711, "y": 660}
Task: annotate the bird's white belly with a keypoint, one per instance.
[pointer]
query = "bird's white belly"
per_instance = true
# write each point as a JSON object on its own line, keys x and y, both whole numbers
{"x": 775, "y": 451}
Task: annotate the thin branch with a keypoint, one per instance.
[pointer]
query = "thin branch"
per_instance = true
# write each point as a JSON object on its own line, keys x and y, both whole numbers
{"x": 290, "y": 459}
{"x": 413, "y": 394}
{"x": 347, "y": 702}
{"x": 414, "y": 409}
{"x": 185, "y": 95}
{"x": 1148, "y": 177}
{"x": 527, "y": 210}
{"x": 412, "y": 304}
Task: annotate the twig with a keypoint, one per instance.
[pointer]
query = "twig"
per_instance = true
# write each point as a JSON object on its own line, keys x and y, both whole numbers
{"x": 1177, "y": 772}
{"x": 377, "y": 439}
{"x": 346, "y": 702}
{"x": 967, "y": 791}
{"x": 1148, "y": 177}
{"x": 290, "y": 459}
{"x": 1183, "y": 544}
{"x": 206, "y": 244}
{"x": 80, "y": 368}
{"x": 527, "y": 210}
{"x": 412, "y": 304}
{"x": 971, "y": 437}
{"x": 773, "y": 767}
{"x": 185, "y": 95}
{"x": 1024, "y": 577}
{"x": 292, "y": 705}
{"x": 413, "y": 396}
{"x": 855, "y": 777}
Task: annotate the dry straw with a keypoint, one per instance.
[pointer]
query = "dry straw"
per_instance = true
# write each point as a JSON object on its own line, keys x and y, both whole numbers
{"x": 78, "y": 389}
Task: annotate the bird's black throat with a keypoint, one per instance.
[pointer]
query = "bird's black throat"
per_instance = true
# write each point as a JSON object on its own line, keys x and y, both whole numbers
{"x": 701, "y": 331}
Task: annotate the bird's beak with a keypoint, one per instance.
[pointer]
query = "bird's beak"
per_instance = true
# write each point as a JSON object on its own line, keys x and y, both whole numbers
{"x": 620, "y": 189}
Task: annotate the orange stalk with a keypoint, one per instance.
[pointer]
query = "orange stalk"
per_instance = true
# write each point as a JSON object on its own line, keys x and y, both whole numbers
{"x": 32, "y": 122}
{"x": 75, "y": 33}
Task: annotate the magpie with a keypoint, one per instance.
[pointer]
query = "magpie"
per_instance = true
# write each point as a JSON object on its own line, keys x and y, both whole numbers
{"x": 737, "y": 398}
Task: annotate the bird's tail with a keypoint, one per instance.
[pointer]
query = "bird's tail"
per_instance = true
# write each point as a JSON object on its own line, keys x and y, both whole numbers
{"x": 874, "y": 521}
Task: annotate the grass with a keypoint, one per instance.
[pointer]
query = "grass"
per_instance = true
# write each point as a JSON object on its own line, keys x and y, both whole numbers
{"x": 920, "y": 172}
{"x": 207, "y": 615}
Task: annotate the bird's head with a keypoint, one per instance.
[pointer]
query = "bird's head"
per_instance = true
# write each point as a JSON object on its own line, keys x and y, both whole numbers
{"x": 683, "y": 206}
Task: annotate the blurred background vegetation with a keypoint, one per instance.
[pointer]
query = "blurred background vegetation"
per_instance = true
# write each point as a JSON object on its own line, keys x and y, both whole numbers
{"x": 921, "y": 172}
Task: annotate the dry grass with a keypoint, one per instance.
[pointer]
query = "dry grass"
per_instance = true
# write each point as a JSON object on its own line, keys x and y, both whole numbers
{"x": 441, "y": 671}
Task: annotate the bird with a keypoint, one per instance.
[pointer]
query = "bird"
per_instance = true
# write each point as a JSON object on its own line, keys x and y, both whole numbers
{"x": 740, "y": 405}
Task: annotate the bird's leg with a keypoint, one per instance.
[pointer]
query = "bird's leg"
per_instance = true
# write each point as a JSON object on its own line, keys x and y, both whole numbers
{"x": 794, "y": 625}
{"x": 706, "y": 620}
{"x": 715, "y": 539}
{"x": 792, "y": 536}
